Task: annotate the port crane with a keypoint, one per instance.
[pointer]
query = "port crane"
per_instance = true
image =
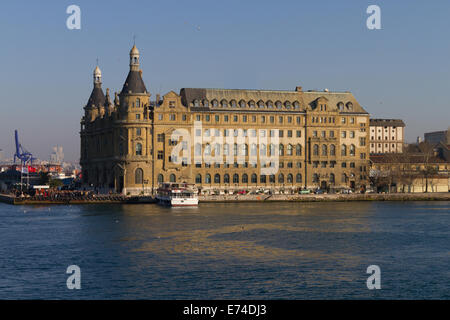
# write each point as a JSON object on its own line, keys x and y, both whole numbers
{"x": 25, "y": 158}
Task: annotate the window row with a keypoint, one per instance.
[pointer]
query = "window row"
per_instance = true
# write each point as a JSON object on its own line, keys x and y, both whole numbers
{"x": 236, "y": 178}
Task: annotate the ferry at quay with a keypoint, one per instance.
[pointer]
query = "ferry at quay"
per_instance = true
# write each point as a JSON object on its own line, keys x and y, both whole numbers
{"x": 177, "y": 194}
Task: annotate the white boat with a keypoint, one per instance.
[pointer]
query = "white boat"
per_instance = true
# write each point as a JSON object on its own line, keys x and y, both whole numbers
{"x": 177, "y": 194}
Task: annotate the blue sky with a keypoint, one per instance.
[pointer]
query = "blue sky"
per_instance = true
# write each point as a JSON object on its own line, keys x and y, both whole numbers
{"x": 401, "y": 71}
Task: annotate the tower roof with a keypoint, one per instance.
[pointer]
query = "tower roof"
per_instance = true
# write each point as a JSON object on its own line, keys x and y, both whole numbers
{"x": 134, "y": 83}
{"x": 97, "y": 97}
{"x": 134, "y": 50}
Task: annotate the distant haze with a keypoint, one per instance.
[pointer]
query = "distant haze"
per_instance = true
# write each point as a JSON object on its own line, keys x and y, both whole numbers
{"x": 401, "y": 71}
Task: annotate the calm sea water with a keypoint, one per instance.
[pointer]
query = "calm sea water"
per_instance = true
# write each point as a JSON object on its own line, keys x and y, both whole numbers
{"x": 227, "y": 251}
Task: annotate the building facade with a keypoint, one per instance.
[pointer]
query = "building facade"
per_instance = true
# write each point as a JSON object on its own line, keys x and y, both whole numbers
{"x": 387, "y": 136}
{"x": 222, "y": 140}
{"x": 437, "y": 137}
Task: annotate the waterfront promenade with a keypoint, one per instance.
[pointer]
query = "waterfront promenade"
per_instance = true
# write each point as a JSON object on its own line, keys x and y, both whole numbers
{"x": 120, "y": 199}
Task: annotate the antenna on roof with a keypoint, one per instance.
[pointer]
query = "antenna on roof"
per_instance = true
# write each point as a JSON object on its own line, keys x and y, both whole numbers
{"x": 134, "y": 39}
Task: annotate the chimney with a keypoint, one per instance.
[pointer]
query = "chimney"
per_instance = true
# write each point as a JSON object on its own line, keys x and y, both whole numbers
{"x": 158, "y": 97}
{"x": 298, "y": 89}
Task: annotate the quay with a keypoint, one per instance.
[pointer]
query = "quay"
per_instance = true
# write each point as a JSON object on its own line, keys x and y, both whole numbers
{"x": 121, "y": 199}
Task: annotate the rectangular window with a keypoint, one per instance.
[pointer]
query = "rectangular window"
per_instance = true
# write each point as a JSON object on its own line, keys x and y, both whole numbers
{"x": 299, "y": 133}
{"x": 160, "y": 137}
{"x": 272, "y": 119}
{"x": 244, "y": 118}
{"x": 207, "y": 117}
{"x": 263, "y": 119}
{"x": 225, "y": 118}
{"x": 138, "y": 131}
{"x": 198, "y": 117}
{"x": 298, "y": 120}
{"x": 331, "y": 134}
{"x": 289, "y": 133}
{"x": 172, "y": 117}
{"x": 235, "y": 118}
{"x": 217, "y": 118}
{"x": 184, "y": 117}
{"x": 280, "y": 119}
{"x": 160, "y": 155}
{"x": 343, "y": 134}
{"x": 280, "y": 133}
{"x": 138, "y": 116}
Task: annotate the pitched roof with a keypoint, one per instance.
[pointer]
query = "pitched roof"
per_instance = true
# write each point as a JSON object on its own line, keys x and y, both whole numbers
{"x": 305, "y": 98}
{"x": 387, "y": 122}
{"x": 134, "y": 83}
{"x": 97, "y": 97}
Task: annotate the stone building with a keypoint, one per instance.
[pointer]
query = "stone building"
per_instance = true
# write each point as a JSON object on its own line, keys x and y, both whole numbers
{"x": 222, "y": 140}
{"x": 387, "y": 136}
{"x": 437, "y": 137}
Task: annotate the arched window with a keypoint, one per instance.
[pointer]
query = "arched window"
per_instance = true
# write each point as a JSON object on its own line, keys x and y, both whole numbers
{"x": 138, "y": 149}
{"x": 289, "y": 150}
{"x": 270, "y": 104}
{"x": 226, "y": 178}
{"x": 262, "y": 178}
{"x": 198, "y": 178}
{"x": 316, "y": 150}
{"x": 298, "y": 150}
{"x": 281, "y": 150}
{"x": 324, "y": 150}
{"x": 235, "y": 178}
{"x": 332, "y": 179}
{"x": 296, "y": 105}
{"x": 208, "y": 178}
{"x": 340, "y": 106}
{"x": 251, "y": 104}
{"x": 173, "y": 178}
{"x": 233, "y": 103}
{"x": 332, "y": 150}
{"x": 343, "y": 177}
{"x": 287, "y": 104}
{"x": 278, "y": 104}
{"x": 205, "y": 103}
{"x": 244, "y": 178}
{"x": 343, "y": 150}
{"x": 352, "y": 150}
{"x": 160, "y": 178}
{"x": 272, "y": 178}
{"x": 217, "y": 178}
{"x": 224, "y": 103}
{"x": 281, "y": 178}
{"x": 196, "y": 103}
{"x": 235, "y": 149}
{"x": 139, "y": 176}
{"x": 242, "y": 104}
{"x": 315, "y": 178}
{"x": 350, "y": 106}
{"x": 298, "y": 178}
{"x": 254, "y": 178}
{"x": 290, "y": 178}
{"x": 261, "y": 104}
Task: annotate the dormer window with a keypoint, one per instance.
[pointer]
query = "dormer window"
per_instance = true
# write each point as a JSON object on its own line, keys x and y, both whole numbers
{"x": 287, "y": 104}
{"x": 269, "y": 104}
{"x": 233, "y": 103}
{"x": 261, "y": 104}
{"x": 242, "y": 103}
{"x": 215, "y": 103}
{"x": 196, "y": 103}
{"x": 206, "y": 103}
{"x": 340, "y": 106}
{"x": 296, "y": 105}
{"x": 251, "y": 104}
{"x": 350, "y": 106}
{"x": 224, "y": 103}
{"x": 278, "y": 104}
